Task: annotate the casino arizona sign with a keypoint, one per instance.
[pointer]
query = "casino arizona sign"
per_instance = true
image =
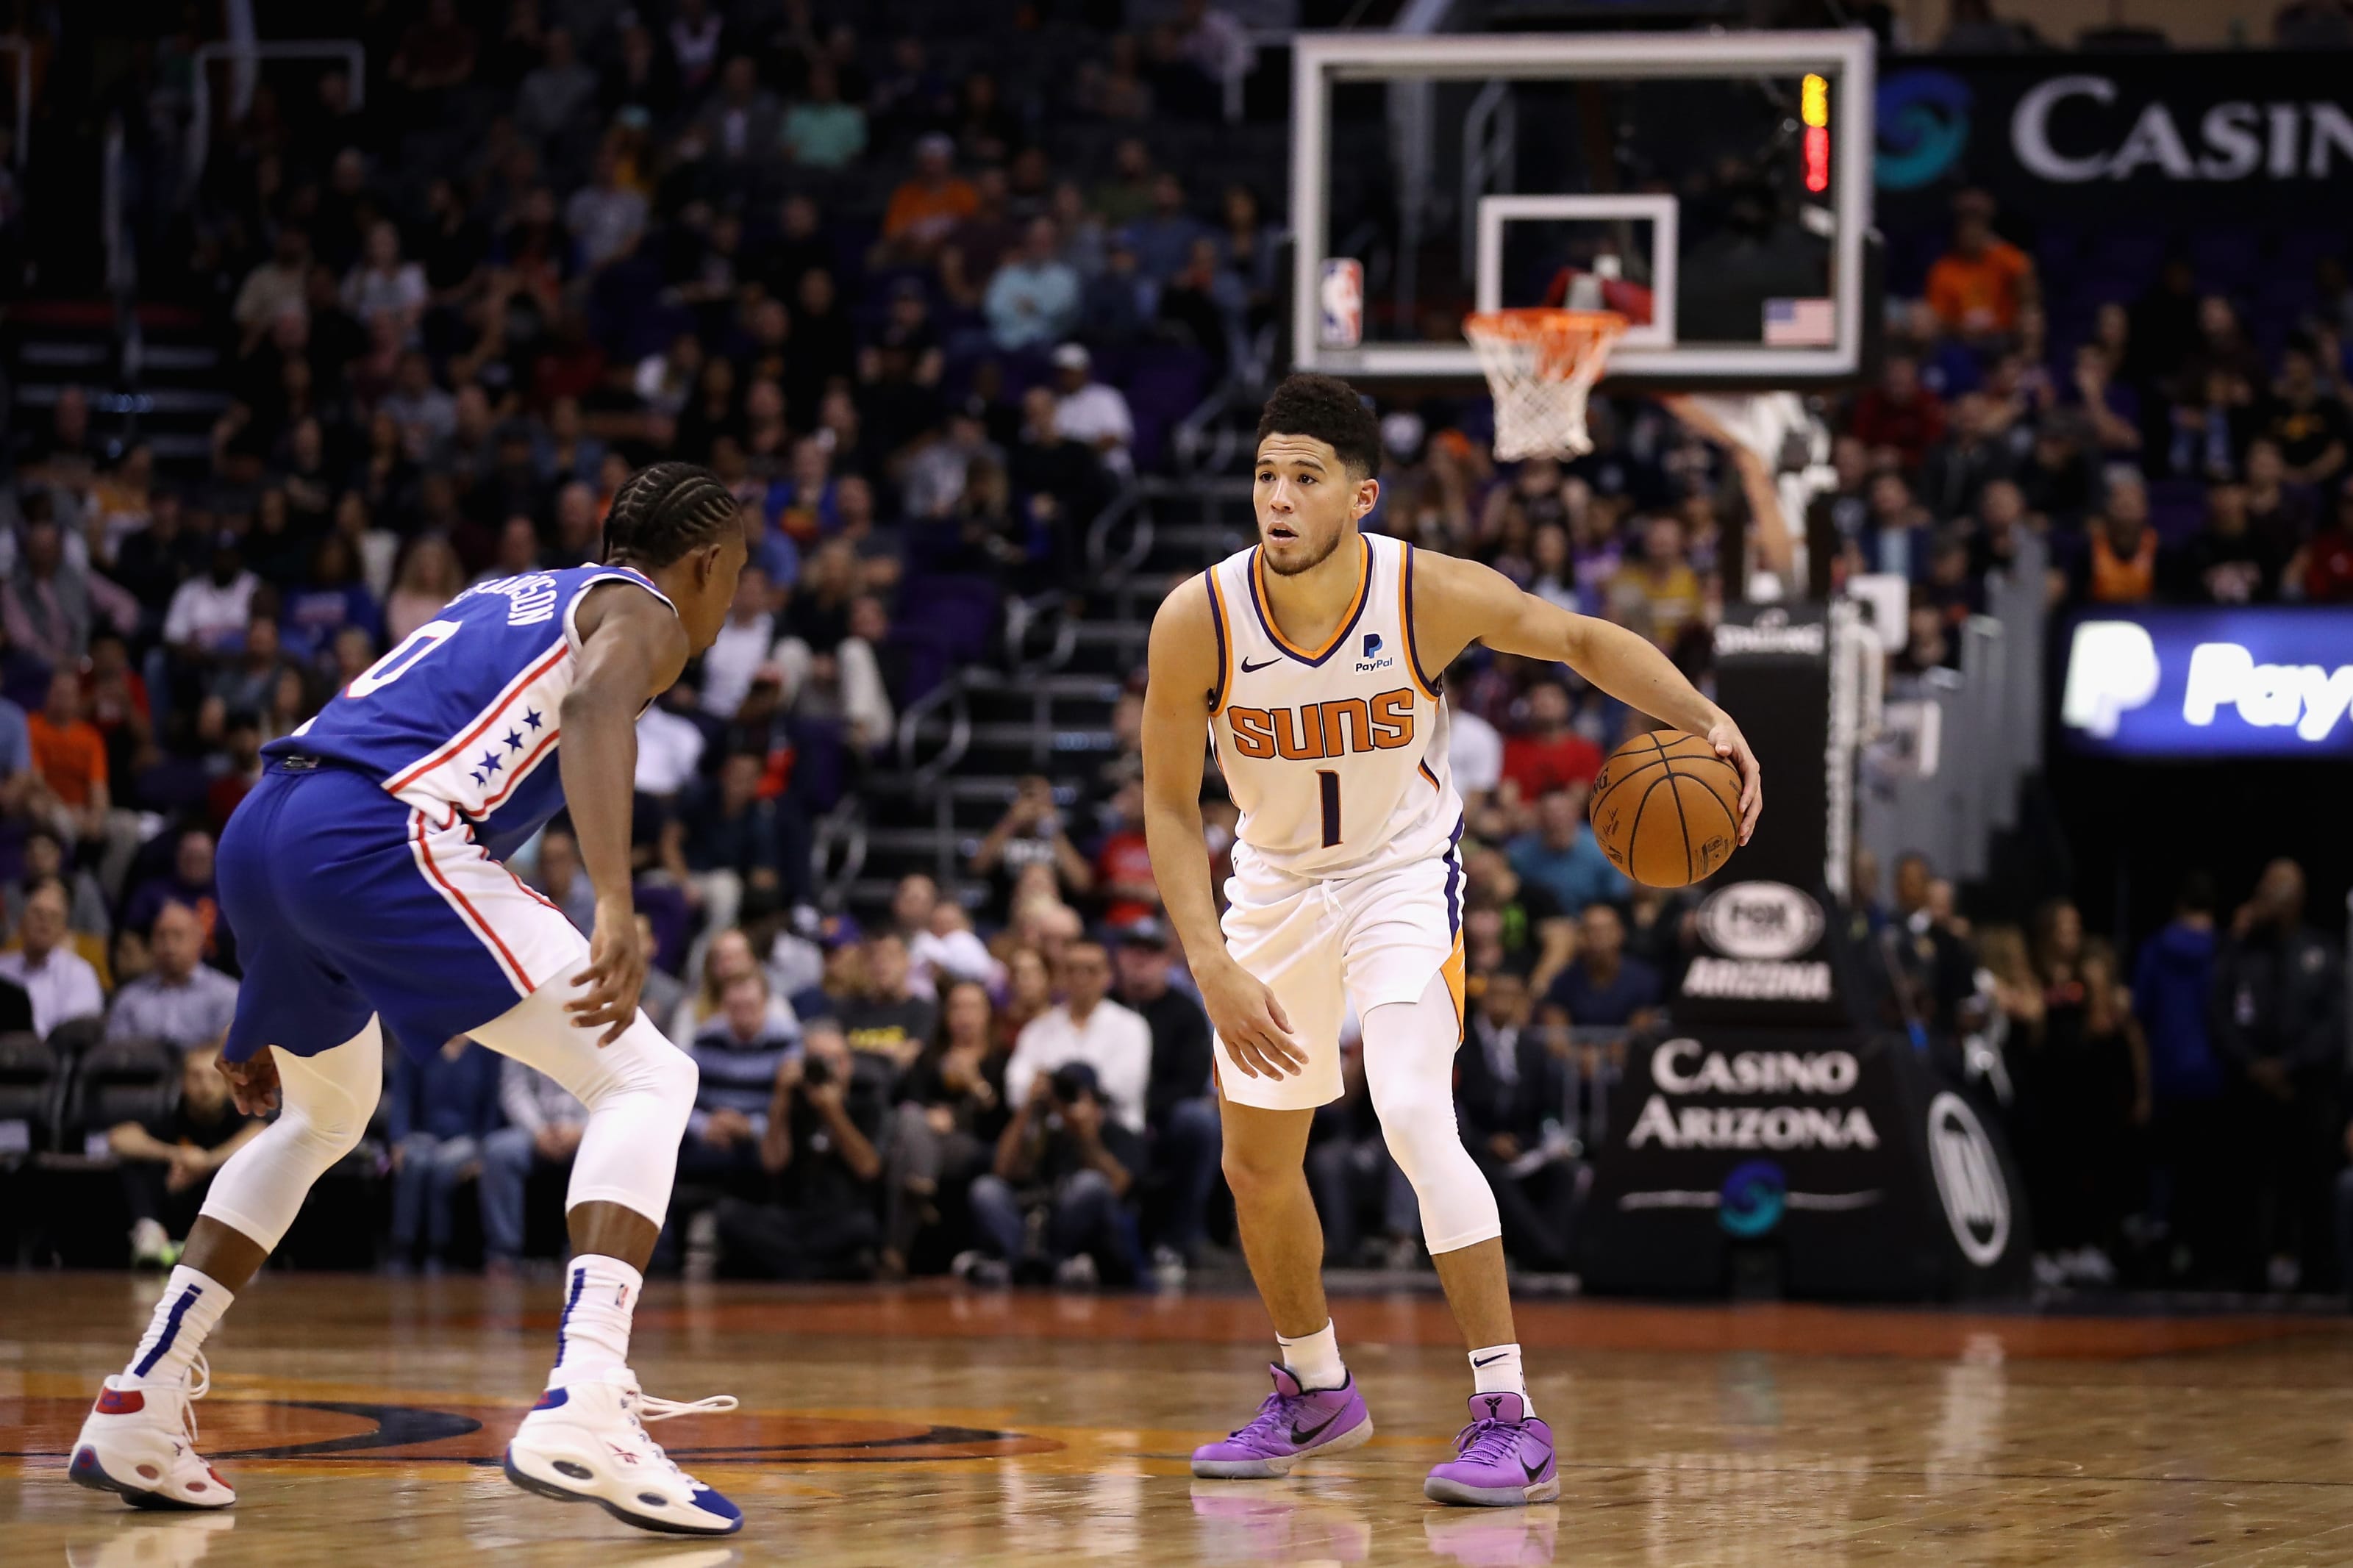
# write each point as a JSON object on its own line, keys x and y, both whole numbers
{"x": 2232, "y": 140}
{"x": 1685, "y": 1066}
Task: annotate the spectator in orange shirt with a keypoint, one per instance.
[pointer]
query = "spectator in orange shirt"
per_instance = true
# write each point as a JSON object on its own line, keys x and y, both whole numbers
{"x": 928, "y": 203}
{"x": 70, "y": 787}
{"x": 2120, "y": 566}
{"x": 69, "y": 756}
{"x": 1976, "y": 286}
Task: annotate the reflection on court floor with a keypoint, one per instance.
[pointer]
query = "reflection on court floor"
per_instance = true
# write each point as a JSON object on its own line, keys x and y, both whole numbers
{"x": 361, "y": 1420}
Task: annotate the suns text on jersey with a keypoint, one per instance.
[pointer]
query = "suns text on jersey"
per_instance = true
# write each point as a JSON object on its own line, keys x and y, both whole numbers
{"x": 1315, "y": 729}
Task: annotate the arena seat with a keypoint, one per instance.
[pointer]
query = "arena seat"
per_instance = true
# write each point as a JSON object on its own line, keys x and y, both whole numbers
{"x": 119, "y": 1081}
{"x": 30, "y": 1078}
{"x": 74, "y": 1039}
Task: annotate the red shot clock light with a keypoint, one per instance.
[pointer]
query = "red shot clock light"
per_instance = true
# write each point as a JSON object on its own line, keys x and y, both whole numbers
{"x": 1814, "y": 109}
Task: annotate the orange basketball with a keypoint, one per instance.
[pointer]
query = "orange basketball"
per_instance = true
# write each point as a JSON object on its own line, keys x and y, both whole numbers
{"x": 1666, "y": 809}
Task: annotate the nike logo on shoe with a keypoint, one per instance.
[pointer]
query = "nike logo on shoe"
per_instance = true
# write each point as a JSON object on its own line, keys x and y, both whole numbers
{"x": 1532, "y": 1472}
{"x": 1301, "y": 1439}
{"x": 1250, "y": 668}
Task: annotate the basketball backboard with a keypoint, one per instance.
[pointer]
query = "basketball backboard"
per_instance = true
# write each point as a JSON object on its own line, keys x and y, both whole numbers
{"x": 1714, "y": 187}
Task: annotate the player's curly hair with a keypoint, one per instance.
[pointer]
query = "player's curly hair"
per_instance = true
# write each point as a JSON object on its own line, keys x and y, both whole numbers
{"x": 1329, "y": 410}
{"x": 664, "y": 510}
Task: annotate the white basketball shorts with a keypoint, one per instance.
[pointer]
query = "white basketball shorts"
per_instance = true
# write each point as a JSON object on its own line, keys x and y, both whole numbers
{"x": 1322, "y": 942}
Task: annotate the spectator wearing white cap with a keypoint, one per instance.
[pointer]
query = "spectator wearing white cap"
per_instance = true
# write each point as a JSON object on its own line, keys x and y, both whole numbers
{"x": 1090, "y": 412}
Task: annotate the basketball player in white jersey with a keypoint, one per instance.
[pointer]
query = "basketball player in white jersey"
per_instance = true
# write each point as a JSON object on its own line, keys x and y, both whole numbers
{"x": 1315, "y": 660}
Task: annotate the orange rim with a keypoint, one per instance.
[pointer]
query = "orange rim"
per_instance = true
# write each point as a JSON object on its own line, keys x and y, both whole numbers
{"x": 1564, "y": 340}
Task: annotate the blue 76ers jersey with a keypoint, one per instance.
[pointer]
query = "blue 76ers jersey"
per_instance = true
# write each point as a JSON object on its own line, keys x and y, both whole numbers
{"x": 463, "y": 713}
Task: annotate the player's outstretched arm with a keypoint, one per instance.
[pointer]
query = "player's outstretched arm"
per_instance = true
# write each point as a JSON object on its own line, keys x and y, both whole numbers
{"x": 1182, "y": 663}
{"x": 1775, "y": 545}
{"x": 632, "y": 649}
{"x": 1458, "y": 602}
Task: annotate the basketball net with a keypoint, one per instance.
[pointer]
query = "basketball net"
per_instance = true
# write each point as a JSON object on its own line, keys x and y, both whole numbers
{"x": 1541, "y": 366}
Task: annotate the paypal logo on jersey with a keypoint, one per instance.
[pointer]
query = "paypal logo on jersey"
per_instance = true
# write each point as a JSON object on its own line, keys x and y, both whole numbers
{"x": 1371, "y": 658}
{"x": 1923, "y": 128}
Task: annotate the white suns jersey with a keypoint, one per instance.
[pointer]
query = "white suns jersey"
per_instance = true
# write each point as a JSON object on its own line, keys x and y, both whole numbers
{"x": 1336, "y": 756}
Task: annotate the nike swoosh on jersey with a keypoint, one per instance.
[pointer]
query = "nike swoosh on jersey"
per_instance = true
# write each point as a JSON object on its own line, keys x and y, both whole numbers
{"x": 1250, "y": 668}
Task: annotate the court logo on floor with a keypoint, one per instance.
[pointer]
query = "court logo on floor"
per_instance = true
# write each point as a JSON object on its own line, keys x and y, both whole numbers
{"x": 252, "y": 1431}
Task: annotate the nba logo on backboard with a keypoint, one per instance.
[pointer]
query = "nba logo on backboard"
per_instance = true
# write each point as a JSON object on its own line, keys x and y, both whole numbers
{"x": 1342, "y": 302}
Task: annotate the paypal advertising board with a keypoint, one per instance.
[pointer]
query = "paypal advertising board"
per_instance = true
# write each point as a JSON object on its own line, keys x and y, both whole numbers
{"x": 2192, "y": 683}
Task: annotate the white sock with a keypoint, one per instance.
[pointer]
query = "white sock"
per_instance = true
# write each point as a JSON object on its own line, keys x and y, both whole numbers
{"x": 1314, "y": 1359}
{"x": 191, "y": 1304}
{"x": 599, "y": 1295}
{"x": 1496, "y": 1370}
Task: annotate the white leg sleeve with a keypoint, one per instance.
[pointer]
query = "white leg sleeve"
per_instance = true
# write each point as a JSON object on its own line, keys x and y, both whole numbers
{"x": 638, "y": 1091}
{"x": 325, "y": 1103}
{"x": 1409, "y": 1068}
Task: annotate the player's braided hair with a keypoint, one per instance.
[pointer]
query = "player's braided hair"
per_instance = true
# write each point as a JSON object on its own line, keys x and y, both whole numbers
{"x": 662, "y": 511}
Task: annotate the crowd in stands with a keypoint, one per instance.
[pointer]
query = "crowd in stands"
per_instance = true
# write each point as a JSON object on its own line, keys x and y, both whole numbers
{"x": 926, "y": 353}
{"x": 2167, "y": 447}
{"x": 2181, "y": 438}
{"x": 556, "y": 243}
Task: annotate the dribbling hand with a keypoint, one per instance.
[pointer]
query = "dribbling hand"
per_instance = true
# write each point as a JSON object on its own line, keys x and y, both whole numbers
{"x": 1251, "y": 1023}
{"x": 615, "y": 972}
{"x": 1732, "y": 747}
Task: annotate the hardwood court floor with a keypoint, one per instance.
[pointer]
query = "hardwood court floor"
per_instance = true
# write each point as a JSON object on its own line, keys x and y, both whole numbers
{"x": 361, "y": 1418}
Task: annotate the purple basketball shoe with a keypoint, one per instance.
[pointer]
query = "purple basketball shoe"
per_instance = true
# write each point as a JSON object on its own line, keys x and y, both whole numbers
{"x": 1503, "y": 1460}
{"x": 1293, "y": 1425}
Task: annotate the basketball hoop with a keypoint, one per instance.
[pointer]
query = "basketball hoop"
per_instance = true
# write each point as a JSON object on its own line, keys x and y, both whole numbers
{"x": 1541, "y": 365}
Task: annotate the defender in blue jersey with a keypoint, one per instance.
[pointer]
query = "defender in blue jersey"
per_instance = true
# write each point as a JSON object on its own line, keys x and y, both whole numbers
{"x": 364, "y": 879}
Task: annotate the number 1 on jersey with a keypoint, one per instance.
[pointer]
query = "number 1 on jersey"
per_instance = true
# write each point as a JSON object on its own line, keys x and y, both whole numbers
{"x": 1331, "y": 783}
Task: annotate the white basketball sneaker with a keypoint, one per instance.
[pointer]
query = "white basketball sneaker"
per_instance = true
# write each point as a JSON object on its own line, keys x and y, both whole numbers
{"x": 140, "y": 1443}
{"x": 588, "y": 1443}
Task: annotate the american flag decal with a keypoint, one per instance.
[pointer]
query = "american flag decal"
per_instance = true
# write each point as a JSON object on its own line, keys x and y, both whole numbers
{"x": 1799, "y": 323}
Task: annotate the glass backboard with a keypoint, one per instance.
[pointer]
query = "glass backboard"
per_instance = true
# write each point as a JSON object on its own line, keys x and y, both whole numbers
{"x": 1715, "y": 188}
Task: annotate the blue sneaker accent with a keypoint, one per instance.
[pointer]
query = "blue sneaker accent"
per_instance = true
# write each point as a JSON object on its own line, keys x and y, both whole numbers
{"x": 563, "y": 1324}
{"x": 171, "y": 1331}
